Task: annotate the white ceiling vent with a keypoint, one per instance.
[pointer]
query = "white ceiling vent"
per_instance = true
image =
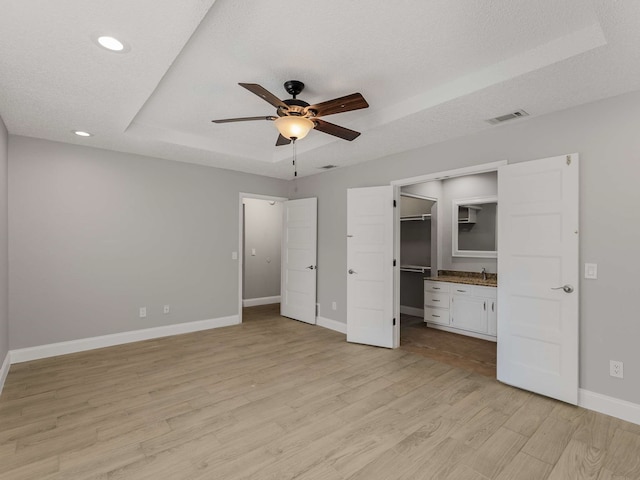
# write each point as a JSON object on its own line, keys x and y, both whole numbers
{"x": 507, "y": 117}
{"x": 327, "y": 167}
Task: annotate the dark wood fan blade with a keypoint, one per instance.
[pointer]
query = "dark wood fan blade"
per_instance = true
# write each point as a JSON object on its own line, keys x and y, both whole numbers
{"x": 355, "y": 101}
{"x": 243, "y": 119}
{"x": 335, "y": 130}
{"x": 282, "y": 141}
{"x": 264, "y": 94}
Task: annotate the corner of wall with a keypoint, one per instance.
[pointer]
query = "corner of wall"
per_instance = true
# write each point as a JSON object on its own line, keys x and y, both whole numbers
{"x": 4, "y": 370}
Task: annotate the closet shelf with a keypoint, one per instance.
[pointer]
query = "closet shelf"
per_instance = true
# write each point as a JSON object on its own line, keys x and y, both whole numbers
{"x": 414, "y": 268}
{"x": 412, "y": 218}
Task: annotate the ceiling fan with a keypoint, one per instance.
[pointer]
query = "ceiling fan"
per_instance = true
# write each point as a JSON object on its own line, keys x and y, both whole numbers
{"x": 295, "y": 118}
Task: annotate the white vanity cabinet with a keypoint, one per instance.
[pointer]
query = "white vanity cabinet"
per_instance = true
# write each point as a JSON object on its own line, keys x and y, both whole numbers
{"x": 461, "y": 308}
{"x": 491, "y": 297}
{"x": 436, "y": 302}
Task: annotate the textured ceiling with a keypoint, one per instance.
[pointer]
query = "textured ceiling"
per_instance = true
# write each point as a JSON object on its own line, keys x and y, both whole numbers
{"x": 430, "y": 70}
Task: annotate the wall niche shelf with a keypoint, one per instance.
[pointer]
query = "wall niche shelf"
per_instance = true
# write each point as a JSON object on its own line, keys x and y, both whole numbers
{"x": 468, "y": 214}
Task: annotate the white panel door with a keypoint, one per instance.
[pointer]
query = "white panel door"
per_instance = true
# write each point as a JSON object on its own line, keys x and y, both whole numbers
{"x": 538, "y": 276}
{"x": 370, "y": 266}
{"x": 299, "y": 253}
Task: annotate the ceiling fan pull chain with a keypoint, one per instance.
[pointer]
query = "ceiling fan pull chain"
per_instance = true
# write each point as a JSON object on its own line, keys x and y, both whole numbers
{"x": 295, "y": 167}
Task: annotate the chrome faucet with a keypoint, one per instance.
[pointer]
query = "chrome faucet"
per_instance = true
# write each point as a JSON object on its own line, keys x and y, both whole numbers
{"x": 484, "y": 274}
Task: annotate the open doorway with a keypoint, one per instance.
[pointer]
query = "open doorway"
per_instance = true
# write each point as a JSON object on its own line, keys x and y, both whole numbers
{"x": 260, "y": 255}
{"x": 447, "y": 281}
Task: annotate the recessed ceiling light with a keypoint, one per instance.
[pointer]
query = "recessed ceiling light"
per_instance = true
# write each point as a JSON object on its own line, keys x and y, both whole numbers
{"x": 111, "y": 43}
{"x": 81, "y": 133}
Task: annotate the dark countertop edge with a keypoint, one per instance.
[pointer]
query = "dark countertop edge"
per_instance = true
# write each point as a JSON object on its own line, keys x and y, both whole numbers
{"x": 463, "y": 280}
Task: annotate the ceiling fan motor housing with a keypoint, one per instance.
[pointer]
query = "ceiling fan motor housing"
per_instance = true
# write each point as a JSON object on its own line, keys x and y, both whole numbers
{"x": 293, "y": 87}
{"x": 296, "y": 107}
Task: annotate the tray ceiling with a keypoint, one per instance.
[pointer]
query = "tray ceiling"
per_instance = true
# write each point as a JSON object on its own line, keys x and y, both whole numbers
{"x": 430, "y": 71}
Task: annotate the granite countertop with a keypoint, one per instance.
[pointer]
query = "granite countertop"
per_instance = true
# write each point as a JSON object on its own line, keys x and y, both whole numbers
{"x": 469, "y": 278}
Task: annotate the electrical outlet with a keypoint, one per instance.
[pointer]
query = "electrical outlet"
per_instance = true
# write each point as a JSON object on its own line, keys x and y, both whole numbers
{"x": 166, "y": 309}
{"x": 616, "y": 368}
{"x": 334, "y": 305}
{"x": 143, "y": 312}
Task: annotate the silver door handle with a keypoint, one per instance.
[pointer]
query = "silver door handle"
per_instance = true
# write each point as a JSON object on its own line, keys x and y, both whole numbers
{"x": 351, "y": 272}
{"x": 567, "y": 288}
{"x": 311, "y": 267}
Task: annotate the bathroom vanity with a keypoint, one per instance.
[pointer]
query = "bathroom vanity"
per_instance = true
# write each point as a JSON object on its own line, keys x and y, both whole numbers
{"x": 462, "y": 302}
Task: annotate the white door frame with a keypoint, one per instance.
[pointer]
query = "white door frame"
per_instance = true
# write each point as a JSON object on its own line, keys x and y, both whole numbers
{"x": 241, "y": 235}
{"x": 397, "y": 184}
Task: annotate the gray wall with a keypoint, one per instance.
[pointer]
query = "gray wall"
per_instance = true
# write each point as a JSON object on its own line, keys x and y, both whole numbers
{"x": 4, "y": 269}
{"x": 262, "y": 232}
{"x": 96, "y": 234}
{"x": 605, "y": 134}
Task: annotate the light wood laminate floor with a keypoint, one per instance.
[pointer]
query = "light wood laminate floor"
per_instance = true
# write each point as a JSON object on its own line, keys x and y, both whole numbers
{"x": 277, "y": 399}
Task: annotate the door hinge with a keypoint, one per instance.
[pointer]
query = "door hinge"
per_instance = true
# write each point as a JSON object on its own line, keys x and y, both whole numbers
{"x": 394, "y": 321}
{"x": 394, "y": 262}
{"x": 394, "y": 204}
{"x": 568, "y": 159}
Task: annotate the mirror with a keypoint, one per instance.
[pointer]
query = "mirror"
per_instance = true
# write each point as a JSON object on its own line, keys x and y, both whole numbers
{"x": 474, "y": 227}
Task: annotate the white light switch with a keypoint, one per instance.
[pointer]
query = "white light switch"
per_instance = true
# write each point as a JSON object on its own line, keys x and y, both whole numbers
{"x": 234, "y": 255}
{"x": 253, "y": 252}
{"x": 591, "y": 270}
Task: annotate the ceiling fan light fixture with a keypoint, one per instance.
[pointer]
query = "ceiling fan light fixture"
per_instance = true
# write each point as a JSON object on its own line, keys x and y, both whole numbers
{"x": 293, "y": 126}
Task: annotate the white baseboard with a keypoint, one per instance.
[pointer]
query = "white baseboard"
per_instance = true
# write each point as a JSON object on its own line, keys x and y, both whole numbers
{"x": 413, "y": 311}
{"x": 332, "y": 324}
{"x": 614, "y": 407}
{"x": 54, "y": 349}
{"x": 254, "y": 302}
{"x": 4, "y": 370}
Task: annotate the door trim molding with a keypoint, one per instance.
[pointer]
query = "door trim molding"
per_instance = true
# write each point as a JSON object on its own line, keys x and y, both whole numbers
{"x": 457, "y": 172}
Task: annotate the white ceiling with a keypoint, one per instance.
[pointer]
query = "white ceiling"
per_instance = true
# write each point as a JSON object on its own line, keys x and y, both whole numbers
{"x": 430, "y": 70}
